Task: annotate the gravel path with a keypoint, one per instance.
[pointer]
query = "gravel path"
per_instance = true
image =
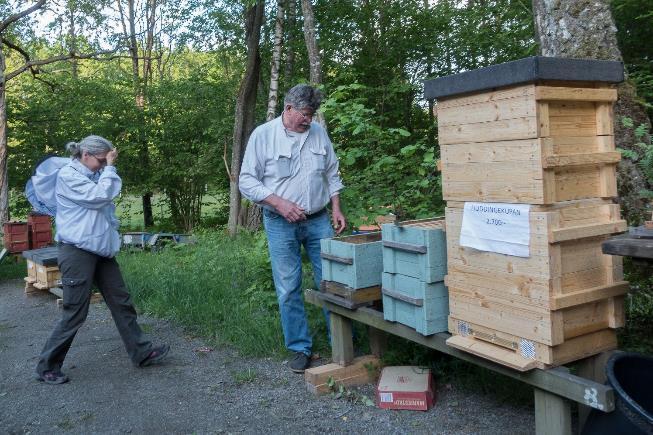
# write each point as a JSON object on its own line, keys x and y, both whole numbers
{"x": 194, "y": 391}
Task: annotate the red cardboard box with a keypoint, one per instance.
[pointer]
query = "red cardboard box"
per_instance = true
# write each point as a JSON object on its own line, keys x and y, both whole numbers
{"x": 405, "y": 387}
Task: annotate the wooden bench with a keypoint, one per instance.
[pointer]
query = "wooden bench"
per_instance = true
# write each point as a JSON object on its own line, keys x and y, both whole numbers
{"x": 555, "y": 389}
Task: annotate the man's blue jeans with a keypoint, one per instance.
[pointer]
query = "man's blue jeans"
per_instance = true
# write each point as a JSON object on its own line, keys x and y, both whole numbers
{"x": 285, "y": 241}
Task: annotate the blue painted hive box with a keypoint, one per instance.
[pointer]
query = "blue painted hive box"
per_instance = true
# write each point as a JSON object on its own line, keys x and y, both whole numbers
{"x": 416, "y": 248}
{"x": 355, "y": 261}
{"x": 411, "y": 302}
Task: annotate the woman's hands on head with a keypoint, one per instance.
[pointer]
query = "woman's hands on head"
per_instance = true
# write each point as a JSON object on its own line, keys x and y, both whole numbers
{"x": 112, "y": 156}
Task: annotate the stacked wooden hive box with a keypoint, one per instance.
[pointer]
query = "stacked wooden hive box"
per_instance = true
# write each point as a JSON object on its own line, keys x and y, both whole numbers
{"x": 536, "y": 131}
{"x": 404, "y": 265}
{"x": 351, "y": 269}
{"x": 414, "y": 266}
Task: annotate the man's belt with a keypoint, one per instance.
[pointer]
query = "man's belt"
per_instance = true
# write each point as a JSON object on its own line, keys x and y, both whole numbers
{"x": 308, "y": 216}
{"x": 316, "y": 214}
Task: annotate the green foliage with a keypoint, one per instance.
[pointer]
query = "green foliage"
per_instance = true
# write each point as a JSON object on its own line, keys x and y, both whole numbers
{"x": 10, "y": 268}
{"x": 634, "y": 20}
{"x": 645, "y": 158}
{"x": 340, "y": 391}
{"x": 382, "y": 166}
{"x": 187, "y": 121}
{"x": 636, "y": 335}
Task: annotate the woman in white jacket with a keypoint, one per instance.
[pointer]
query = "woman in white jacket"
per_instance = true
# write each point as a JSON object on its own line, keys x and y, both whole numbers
{"x": 87, "y": 232}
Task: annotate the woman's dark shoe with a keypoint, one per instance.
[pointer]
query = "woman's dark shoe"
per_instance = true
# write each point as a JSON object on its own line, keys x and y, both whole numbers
{"x": 53, "y": 377}
{"x": 156, "y": 356}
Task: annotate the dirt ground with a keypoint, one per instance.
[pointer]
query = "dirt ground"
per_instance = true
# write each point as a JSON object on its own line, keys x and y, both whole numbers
{"x": 197, "y": 390}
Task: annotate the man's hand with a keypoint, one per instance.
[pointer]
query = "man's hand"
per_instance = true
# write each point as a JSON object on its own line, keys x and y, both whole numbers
{"x": 339, "y": 221}
{"x": 112, "y": 156}
{"x": 288, "y": 209}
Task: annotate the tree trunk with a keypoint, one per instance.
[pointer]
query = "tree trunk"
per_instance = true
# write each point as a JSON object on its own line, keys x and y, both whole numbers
{"x": 245, "y": 108}
{"x": 290, "y": 48}
{"x": 586, "y": 30}
{"x": 4, "y": 179}
{"x": 313, "y": 50}
{"x": 72, "y": 36}
{"x": 273, "y": 96}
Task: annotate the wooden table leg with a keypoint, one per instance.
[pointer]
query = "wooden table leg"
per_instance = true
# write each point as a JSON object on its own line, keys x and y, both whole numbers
{"x": 592, "y": 368}
{"x": 552, "y": 414}
{"x": 378, "y": 341}
{"x": 342, "y": 344}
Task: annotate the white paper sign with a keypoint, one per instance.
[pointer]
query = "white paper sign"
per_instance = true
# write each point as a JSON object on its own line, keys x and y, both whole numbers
{"x": 496, "y": 227}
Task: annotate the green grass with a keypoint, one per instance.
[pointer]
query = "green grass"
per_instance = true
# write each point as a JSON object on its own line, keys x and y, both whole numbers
{"x": 245, "y": 376}
{"x": 220, "y": 289}
{"x": 12, "y": 267}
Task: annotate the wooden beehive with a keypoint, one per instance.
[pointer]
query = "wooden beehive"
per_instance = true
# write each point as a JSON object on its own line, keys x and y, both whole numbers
{"x": 16, "y": 236}
{"x": 523, "y": 354}
{"x": 528, "y": 144}
{"x": 415, "y": 248}
{"x": 355, "y": 261}
{"x": 40, "y": 231}
{"x": 565, "y": 267}
{"x": 47, "y": 276}
{"x": 420, "y": 305}
{"x": 535, "y": 131}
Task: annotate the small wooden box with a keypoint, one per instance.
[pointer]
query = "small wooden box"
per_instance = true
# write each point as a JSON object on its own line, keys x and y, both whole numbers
{"x": 416, "y": 248}
{"x": 422, "y": 306}
{"x": 355, "y": 261}
{"x": 531, "y": 143}
{"x": 48, "y": 276}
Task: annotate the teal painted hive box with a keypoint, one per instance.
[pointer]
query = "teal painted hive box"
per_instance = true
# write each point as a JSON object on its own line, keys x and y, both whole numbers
{"x": 411, "y": 302}
{"x": 355, "y": 261}
{"x": 416, "y": 248}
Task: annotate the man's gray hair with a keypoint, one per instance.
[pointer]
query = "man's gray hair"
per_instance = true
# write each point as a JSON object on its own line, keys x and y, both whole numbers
{"x": 91, "y": 144}
{"x": 304, "y": 96}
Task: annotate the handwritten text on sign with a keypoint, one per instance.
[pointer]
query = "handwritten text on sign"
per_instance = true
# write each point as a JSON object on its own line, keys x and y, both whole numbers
{"x": 496, "y": 227}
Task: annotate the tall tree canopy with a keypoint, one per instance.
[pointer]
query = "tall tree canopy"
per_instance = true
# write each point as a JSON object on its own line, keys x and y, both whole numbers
{"x": 167, "y": 95}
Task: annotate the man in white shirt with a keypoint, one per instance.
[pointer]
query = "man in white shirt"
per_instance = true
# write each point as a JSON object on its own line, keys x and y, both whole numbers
{"x": 291, "y": 170}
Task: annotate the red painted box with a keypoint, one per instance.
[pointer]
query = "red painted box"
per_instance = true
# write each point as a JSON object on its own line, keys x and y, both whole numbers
{"x": 40, "y": 231}
{"x": 405, "y": 387}
{"x": 16, "y": 236}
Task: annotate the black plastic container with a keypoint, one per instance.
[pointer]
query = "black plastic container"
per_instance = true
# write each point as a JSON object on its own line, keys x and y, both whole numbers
{"x": 631, "y": 376}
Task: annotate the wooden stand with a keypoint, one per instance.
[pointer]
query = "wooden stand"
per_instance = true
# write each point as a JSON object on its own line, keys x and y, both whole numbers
{"x": 555, "y": 389}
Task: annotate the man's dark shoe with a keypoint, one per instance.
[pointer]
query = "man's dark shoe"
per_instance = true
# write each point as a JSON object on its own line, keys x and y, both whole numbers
{"x": 156, "y": 356}
{"x": 53, "y": 377}
{"x": 300, "y": 362}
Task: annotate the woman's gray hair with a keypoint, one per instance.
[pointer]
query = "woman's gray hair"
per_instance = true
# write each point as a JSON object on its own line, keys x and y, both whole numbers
{"x": 304, "y": 96}
{"x": 91, "y": 144}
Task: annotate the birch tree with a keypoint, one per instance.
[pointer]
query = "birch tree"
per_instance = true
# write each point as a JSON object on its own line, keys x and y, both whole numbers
{"x": 314, "y": 59}
{"x": 273, "y": 95}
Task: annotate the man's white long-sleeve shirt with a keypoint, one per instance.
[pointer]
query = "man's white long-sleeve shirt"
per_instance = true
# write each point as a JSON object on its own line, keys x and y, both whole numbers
{"x": 299, "y": 167}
